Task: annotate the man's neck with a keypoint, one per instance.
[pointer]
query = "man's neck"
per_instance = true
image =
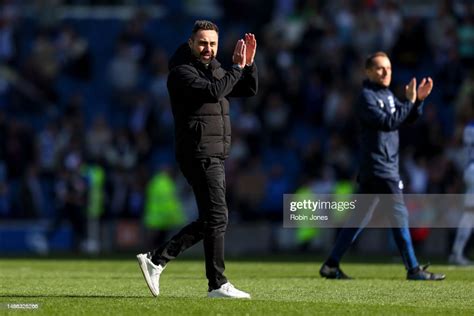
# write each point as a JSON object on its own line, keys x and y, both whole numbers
{"x": 375, "y": 84}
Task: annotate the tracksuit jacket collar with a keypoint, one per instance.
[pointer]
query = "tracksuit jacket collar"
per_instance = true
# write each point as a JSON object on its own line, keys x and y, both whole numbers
{"x": 372, "y": 85}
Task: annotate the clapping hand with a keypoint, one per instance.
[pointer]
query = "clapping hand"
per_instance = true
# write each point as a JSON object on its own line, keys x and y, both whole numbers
{"x": 424, "y": 89}
{"x": 410, "y": 90}
{"x": 251, "y": 48}
{"x": 239, "y": 56}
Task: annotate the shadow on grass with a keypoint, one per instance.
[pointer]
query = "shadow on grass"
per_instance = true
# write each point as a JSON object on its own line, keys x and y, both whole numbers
{"x": 293, "y": 257}
{"x": 73, "y": 296}
{"x": 145, "y": 296}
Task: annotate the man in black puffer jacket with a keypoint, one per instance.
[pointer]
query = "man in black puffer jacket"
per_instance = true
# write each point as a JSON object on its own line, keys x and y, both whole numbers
{"x": 198, "y": 87}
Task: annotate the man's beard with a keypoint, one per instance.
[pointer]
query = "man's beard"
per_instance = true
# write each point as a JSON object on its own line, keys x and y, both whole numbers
{"x": 206, "y": 61}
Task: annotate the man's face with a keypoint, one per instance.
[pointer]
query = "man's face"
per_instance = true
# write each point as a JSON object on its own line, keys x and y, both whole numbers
{"x": 204, "y": 45}
{"x": 381, "y": 71}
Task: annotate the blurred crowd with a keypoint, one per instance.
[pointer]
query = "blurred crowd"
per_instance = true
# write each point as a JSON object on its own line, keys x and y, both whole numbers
{"x": 85, "y": 117}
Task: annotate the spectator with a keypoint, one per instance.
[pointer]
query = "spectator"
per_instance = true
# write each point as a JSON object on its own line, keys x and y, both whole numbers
{"x": 73, "y": 54}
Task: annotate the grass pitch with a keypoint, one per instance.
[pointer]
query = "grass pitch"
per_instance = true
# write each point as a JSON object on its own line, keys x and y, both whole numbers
{"x": 116, "y": 287}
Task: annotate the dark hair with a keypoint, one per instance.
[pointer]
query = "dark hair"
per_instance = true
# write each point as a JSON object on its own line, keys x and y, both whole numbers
{"x": 369, "y": 62}
{"x": 204, "y": 25}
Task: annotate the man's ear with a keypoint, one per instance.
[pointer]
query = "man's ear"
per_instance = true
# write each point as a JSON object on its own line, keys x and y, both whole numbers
{"x": 190, "y": 42}
{"x": 367, "y": 72}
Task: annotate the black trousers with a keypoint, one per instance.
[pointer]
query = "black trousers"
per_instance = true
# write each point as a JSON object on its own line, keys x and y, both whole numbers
{"x": 207, "y": 178}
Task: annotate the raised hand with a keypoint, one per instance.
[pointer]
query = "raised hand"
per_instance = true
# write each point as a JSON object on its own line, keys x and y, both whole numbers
{"x": 424, "y": 89}
{"x": 251, "y": 45}
{"x": 239, "y": 56}
{"x": 410, "y": 90}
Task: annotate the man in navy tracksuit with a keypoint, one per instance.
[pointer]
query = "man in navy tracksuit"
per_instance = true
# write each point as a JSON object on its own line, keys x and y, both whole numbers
{"x": 381, "y": 115}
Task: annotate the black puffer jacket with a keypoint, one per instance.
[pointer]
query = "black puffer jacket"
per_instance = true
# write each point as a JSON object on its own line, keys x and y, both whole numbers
{"x": 200, "y": 108}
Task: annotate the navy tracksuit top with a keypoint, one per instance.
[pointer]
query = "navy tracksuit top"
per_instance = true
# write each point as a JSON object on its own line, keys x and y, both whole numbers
{"x": 380, "y": 115}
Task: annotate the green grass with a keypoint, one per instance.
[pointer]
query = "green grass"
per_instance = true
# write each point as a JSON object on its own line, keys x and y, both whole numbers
{"x": 116, "y": 287}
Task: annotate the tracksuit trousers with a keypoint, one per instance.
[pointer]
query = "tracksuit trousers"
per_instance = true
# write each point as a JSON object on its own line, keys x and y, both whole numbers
{"x": 392, "y": 204}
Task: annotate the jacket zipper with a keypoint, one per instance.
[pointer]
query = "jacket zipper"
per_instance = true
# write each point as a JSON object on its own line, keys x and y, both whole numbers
{"x": 223, "y": 129}
{"x": 223, "y": 122}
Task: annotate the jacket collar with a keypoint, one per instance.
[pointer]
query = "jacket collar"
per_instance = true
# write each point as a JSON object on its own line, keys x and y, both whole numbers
{"x": 183, "y": 55}
{"x": 213, "y": 65}
{"x": 373, "y": 86}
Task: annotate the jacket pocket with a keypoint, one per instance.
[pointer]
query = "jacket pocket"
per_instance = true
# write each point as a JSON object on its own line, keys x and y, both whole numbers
{"x": 195, "y": 130}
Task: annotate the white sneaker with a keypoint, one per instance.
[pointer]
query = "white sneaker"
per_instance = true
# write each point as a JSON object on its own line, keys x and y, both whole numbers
{"x": 459, "y": 260}
{"x": 228, "y": 290}
{"x": 151, "y": 273}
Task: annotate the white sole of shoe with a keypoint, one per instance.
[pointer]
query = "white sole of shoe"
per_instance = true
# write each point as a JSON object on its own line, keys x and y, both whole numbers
{"x": 214, "y": 295}
{"x": 143, "y": 267}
